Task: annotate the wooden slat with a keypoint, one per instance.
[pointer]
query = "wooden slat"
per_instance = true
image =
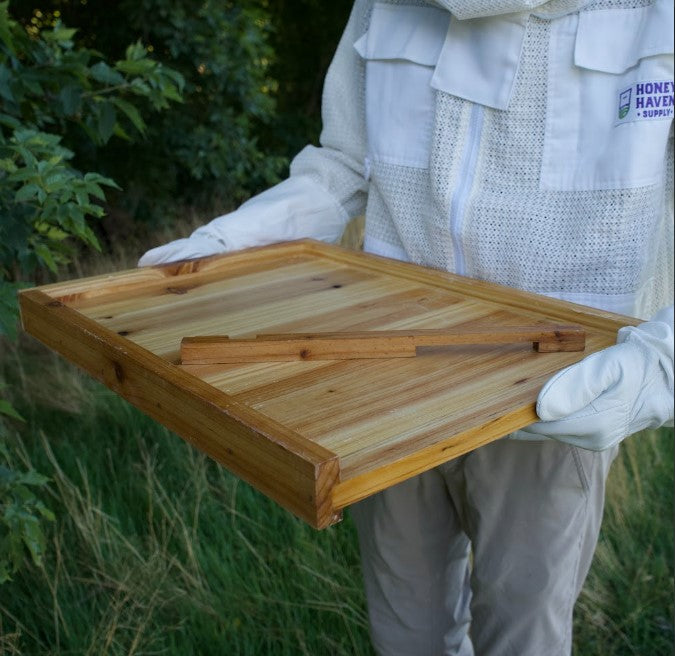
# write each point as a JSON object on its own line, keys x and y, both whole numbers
{"x": 371, "y": 344}
{"x": 556, "y": 334}
{"x": 265, "y": 348}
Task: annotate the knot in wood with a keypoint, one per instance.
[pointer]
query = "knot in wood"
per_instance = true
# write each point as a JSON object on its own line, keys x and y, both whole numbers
{"x": 119, "y": 372}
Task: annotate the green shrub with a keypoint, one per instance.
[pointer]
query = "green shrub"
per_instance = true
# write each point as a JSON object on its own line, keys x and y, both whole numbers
{"x": 204, "y": 151}
{"x": 53, "y": 95}
{"x": 253, "y": 73}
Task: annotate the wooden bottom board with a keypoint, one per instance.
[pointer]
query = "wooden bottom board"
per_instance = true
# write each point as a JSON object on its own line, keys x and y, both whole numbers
{"x": 315, "y": 436}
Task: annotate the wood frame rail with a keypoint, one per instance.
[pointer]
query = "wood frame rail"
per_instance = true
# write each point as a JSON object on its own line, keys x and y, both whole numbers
{"x": 546, "y": 338}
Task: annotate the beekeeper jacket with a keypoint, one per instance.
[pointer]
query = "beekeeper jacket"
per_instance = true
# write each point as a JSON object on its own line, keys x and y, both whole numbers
{"x": 524, "y": 143}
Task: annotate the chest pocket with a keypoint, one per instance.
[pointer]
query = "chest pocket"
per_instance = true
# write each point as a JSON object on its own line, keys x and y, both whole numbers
{"x": 401, "y": 48}
{"x": 609, "y": 112}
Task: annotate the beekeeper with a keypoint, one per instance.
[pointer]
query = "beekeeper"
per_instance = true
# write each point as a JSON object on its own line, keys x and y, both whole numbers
{"x": 527, "y": 143}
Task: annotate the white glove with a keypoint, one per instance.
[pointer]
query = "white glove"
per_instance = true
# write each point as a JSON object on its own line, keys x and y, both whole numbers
{"x": 294, "y": 209}
{"x": 613, "y": 393}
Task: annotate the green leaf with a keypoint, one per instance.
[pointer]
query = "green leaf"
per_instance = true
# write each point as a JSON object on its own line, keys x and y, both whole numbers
{"x": 139, "y": 87}
{"x": 27, "y": 156}
{"x": 7, "y": 165}
{"x": 94, "y": 190}
{"x": 178, "y": 79}
{"x": 45, "y": 512}
{"x": 75, "y": 220}
{"x": 59, "y": 34}
{"x": 32, "y": 85}
{"x": 50, "y": 232}
{"x": 58, "y": 179}
{"x": 32, "y": 478}
{"x": 131, "y": 113}
{"x": 89, "y": 237}
{"x": 33, "y": 538}
{"x": 101, "y": 72}
{"x": 27, "y": 192}
{"x": 106, "y": 121}
{"x": 136, "y": 66}
{"x": 10, "y": 121}
{"x": 170, "y": 92}
{"x": 7, "y": 409}
{"x": 120, "y": 132}
{"x": 23, "y": 174}
{"x": 71, "y": 99}
{"x": 97, "y": 178}
{"x": 81, "y": 197}
{"x": 46, "y": 256}
{"x": 135, "y": 51}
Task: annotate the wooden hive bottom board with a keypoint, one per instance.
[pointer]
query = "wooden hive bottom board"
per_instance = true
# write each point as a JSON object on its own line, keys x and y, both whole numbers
{"x": 383, "y": 420}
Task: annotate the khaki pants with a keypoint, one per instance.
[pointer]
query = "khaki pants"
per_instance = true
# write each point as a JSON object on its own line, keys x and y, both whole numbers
{"x": 529, "y": 513}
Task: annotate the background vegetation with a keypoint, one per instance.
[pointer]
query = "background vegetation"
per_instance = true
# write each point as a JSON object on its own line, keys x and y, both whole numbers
{"x": 121, "y": 124}
{"x": 253, "y": 72}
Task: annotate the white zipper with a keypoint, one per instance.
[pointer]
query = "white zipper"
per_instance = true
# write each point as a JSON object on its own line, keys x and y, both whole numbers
{"x": 466, "y": 175}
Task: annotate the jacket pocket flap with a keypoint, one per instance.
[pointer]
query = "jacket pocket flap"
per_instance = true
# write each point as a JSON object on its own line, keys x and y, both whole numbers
{"x": 612, "y": 41}
{"x": 414, "y": 34}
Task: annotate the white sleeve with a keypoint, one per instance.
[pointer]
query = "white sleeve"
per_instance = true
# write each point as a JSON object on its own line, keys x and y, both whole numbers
{"x": 295, "y": 208}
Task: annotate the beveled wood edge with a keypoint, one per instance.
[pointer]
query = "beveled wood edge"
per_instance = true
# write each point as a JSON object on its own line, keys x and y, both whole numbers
{"x": 198, "y": 271}
{"x": 297, "y": 473}
{"x": 530, "y": 302}
{"x": 352, "y": 489}
{"x": 174, "y": 276}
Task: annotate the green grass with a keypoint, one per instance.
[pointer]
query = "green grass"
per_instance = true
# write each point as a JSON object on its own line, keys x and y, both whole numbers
{"x": 626, "y": 606}
{"x": 157, "y": 550}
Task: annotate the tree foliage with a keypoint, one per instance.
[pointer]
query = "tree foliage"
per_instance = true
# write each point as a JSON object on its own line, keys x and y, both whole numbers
{"x": 205, "y": 151}
{"x": 54, "y": 96}
{"x": 253, "y": 73}
{"x": 304, "y": 37}
{"x": 21, "y": 512}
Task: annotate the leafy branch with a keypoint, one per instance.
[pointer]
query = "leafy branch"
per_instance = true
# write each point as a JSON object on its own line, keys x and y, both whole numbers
{"x": 53, "y": 95}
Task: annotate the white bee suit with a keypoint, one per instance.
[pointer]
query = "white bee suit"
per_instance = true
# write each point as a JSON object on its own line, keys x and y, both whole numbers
{"x": 520, "y": 142}
{"x": 492, "y": 147}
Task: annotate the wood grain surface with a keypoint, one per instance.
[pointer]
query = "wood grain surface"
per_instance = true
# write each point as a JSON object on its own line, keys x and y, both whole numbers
{"x": 315, "y": 435}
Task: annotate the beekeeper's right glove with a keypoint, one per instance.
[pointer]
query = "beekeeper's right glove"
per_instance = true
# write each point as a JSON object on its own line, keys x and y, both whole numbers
{"x": 296, "y": 208}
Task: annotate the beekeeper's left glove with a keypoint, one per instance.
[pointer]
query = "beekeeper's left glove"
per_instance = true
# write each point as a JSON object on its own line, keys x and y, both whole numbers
{"x": 597, "y": 402}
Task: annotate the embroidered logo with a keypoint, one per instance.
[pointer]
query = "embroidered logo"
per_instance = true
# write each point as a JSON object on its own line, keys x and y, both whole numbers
{"x": 646, "y": 101}
{"x": 624, "y": 102}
